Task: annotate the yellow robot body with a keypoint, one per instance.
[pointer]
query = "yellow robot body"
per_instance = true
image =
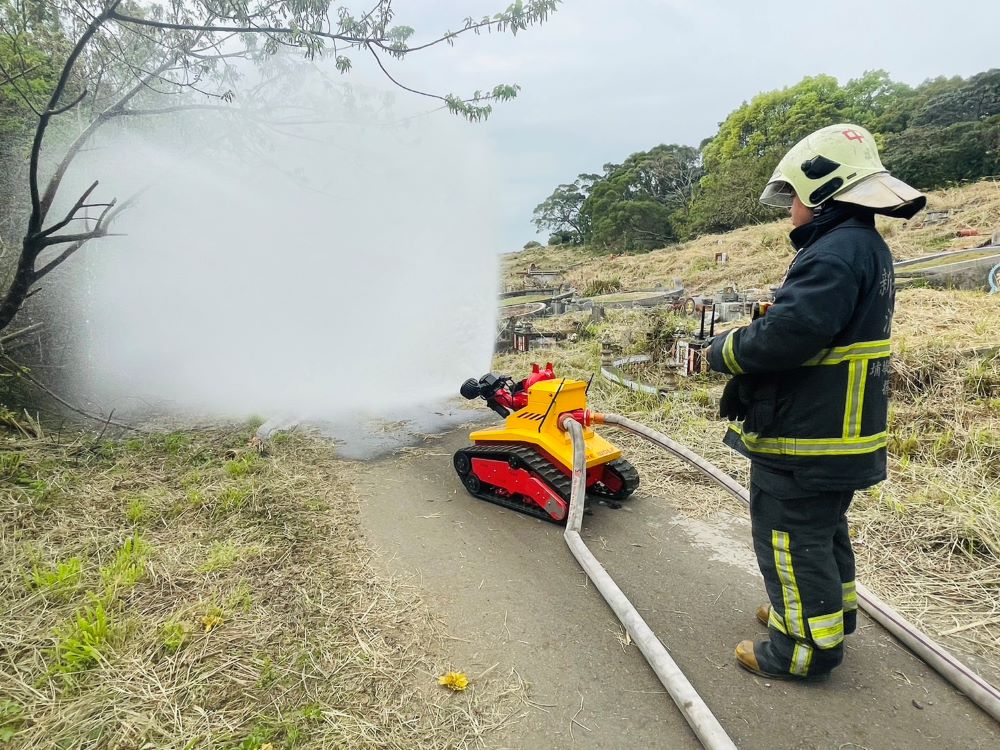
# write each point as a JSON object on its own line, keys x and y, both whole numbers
{"x": 537, "y": 424}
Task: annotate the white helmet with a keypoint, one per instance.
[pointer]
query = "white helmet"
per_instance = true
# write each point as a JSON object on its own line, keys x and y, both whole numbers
{"x": 842, "y": 162}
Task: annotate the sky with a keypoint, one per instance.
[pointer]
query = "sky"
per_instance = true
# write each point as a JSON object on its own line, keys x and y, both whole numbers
{"x": 601, "y": 80}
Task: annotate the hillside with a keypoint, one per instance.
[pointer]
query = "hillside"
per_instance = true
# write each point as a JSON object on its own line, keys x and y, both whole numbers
{"x": 758, "y": 255}
{"x": 928, "y": 539}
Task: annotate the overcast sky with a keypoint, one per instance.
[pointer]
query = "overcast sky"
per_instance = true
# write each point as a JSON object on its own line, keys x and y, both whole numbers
{"x": 604, "y": 79}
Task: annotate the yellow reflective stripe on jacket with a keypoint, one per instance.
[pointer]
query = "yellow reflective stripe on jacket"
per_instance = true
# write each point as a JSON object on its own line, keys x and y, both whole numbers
{"x": 802, "y": 656}
{"x": 811, "y": 446}
{"x": 850, "y": 596}
{"x": 794, "y": 618}
{"x": 856, "y": 379}
{"x": 729, "y": 356}
{"x": 851, "y": 352}
{"x": 827, "y": 631}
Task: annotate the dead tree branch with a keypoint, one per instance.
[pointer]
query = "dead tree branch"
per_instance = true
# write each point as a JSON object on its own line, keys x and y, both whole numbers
{"x": 21, "y": 372}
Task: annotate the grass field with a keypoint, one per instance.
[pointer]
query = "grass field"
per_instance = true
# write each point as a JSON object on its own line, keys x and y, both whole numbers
{"x": 185, "y": 590}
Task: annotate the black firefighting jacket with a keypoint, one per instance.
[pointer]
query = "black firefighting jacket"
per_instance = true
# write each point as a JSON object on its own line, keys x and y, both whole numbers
{"x": 816, "y": 366}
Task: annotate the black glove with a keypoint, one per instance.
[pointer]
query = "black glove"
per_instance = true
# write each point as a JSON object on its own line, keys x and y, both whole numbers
{"x": 734, "y": 402}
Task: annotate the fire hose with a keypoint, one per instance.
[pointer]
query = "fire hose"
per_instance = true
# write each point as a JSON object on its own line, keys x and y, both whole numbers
{"x": 704, "y": 724}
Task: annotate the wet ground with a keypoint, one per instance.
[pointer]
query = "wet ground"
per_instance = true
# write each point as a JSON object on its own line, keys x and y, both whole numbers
{"x": 512, "y": 595}
{"x": 361, "y": 436}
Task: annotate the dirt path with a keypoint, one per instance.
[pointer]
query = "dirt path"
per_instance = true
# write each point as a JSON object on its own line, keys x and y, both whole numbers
{"x": 512, "y": 594}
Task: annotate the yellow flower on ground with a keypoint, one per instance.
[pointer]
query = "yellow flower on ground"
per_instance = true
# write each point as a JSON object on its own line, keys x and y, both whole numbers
{"x": 210, "y": 622}
{"x": 454, "y": 681}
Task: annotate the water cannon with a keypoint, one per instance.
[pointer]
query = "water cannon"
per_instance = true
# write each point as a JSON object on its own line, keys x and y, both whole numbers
{"x": 501, "y": 393}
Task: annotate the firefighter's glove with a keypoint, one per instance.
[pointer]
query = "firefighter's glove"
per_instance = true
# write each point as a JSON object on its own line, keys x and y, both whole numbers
{"x": 750, "y": 400}
{"x": 735, "y": 399}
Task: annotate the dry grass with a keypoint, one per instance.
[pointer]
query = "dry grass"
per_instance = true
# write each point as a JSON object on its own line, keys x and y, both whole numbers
{"x": 759, "y": 255}
{"x": 927, "y": 539}
{"x": 929, "y": 321}
{"x": 974, "y": 206}
{"x": 184, "y": 591}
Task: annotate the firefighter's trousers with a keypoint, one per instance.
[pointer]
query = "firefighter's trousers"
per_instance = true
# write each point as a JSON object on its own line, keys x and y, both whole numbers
{"x": 804, "y": 553}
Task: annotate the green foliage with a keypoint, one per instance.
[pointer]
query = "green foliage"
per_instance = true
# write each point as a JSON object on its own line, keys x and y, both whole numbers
{"x": 945, "y": 130}
{"x": 701, "y": 397}
{"x": 313, "y": 713}
{"x": 192, "y": 478}
{"x": 127, "y": 566}
{"x": 137, "y": 509}
{"x": 67, "y": 69}
{"x": 638, "y": 205}
{"x": 664, "y": 331}
{"x": 30, "y": 52}
{"x": 751, "y": 141}
{"x": 983, "y": 378}
{"x": 233, "y": 498}
{"x": 268, "y": 673}
{"x": 288, "y": 731}
{"x": 134, "y": 445}
{"x": 60, "y": 580}
{"x": 248, "y": 463}
{"x": 10, "y": 466}
{"x": 176, "y": 442}
{"x": 40, "y": 489}
{"x": 195, "y": 498}
{"x": 174, "y": 635}
{"x": 532, "y": 244}
{"x": 727, "y": 196}
{"x": 932, "y": 157}
{"x": 84, "y": 640}
{"x": 560, "y": 213}
{"x": 11, "y": 719}
{"x": 956, "y": 101}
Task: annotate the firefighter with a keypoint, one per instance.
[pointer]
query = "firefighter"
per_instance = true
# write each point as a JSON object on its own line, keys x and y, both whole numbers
{"x": 808, "y": 399}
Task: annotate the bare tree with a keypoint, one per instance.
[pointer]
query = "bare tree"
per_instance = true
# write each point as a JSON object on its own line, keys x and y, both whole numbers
{"x": 127, "y": 60}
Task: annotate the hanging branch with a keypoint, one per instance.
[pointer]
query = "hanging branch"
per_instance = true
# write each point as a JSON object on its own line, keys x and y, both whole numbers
{"x": 306, "y": 27}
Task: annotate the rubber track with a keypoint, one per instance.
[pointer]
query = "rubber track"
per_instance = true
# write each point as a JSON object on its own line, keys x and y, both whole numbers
{"x": 531, "y": 461}
{"x": 629, "y": 477}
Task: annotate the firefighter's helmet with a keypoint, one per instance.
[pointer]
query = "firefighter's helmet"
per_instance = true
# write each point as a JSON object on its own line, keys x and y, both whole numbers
{"x": 840, "y": 162}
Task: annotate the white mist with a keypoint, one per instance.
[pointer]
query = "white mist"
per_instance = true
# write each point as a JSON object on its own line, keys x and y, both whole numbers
{"x": 344, "y": 265}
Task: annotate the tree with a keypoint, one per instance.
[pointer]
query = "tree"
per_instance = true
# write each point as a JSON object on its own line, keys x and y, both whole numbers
{"x": 879, "y": 103}
{"x": 751, "y": 141}
{"x": 953, "y": 127}
{"x": 639, "y": 203}
{"x": 125, "y": 61}
{"x": 560, "y": 212}
{"x": 965, "y": 101}
{"x": 727, "y": 197}
{"x": 928, "y": 157}
{"x": 30, "y": 42}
